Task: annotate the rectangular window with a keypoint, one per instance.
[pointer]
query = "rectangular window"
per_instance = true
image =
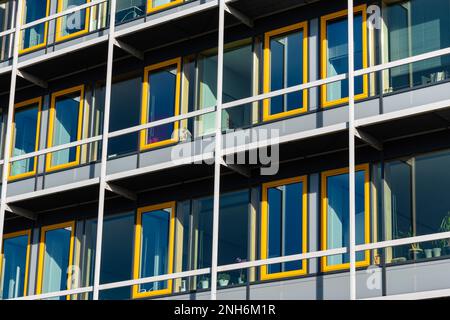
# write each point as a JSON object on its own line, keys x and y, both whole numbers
{"x": 334, "y": 53}
{"x": 26, "y": 127}
{"x": 161, "y": 100}
{"x": 156, "y": 5}
{"x": 14, "y": 264}
{"x": 66, "y": 118}
{"x": 286, "y": 65}
{"x": 55, "y": 258}
{"x": 335, "y": 216}
{"x": 73, "y": 24}
{"x": 34, "y": 37}
{"x": 284, "y": 226}
{"x": 154, "y": 247}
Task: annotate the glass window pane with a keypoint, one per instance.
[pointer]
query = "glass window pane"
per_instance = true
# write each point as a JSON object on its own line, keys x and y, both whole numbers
{"x": 56, "y": 260}
{"x": 285, "y": 225}
{"x": 129, "y": 9}
{"x": 161, "y": 103}
{"x": 337, "y": 228}
{"x": 35, "y": 35}
{"x": 286, "y": 70}
{"x": 337, "y": 56}
{"x": 154, "y": 248}
{"x": 13, "y": 272}
{"x": 415, "y": 27}
{"x": 25, "y": 130}
{"x": 66, "y": 128}
{"x": 75, "y": 22}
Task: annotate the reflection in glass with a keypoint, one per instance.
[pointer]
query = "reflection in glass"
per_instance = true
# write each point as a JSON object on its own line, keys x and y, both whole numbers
{"x": 161, "y": 103}
{"x": 285, "y": 225}
{"x": 65, "y": 128}
{"x": 416, "y": 27}
{"x": 117, "y": 254}
{"x": 286, "y": 70}
{"x": 25, "y": 140}
{"x": 14, "y": 266}
{"x": 34, "y": 36}
{"x": 129, "y": 10}
{"x": 74, "y": 23}
{"x": 337, "y": 215}
{"x": 155, "y": 251}
{"x": 336, "y": 54}
{"x": 55, "y": 259}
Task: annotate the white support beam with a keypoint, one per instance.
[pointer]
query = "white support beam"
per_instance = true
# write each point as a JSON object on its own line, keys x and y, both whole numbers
{"x": 239, "y": 15}
{"x": 33, "y": 79}
{"x": 130, "y": 49}
{"x": 130, "y": 195}
{"x": 369, "y": 139}
{"x": 21, "y": 212}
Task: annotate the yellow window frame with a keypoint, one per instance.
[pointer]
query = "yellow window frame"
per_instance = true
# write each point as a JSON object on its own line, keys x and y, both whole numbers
{"x": 323, "y": 52}
{"x": 324, "y": 231}
{"x": 25, "y": 104}
{"x": 137, "y": 248}
{"x": 41, "y": 257}
{"x": 303, "y": 26}
{"x": 48, "y": 163}
{"x": 152, "y": 9}
{"x": 264, "y": 227}
{"x": 27, "y": 261}
{"x": 40, "y": 45}
{"x": 58, "y": 36}
{"x": 145, "y": 92}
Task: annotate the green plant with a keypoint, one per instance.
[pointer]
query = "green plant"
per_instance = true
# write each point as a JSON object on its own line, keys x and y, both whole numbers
{"x": 410, "y": 234}
{"x": 445, "y": 227}
{"x": 223, "y": 276}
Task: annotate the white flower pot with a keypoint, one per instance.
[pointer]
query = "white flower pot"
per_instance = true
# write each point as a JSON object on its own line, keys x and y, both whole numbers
{"x": 223, "y": 282}
{"x": 437, "y": 252}
{"x": 428, "y": 253}
{"x": 204, "y": 284}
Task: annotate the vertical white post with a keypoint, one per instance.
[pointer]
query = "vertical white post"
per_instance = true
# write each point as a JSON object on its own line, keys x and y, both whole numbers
{"x": 7, "y": 147}
{"x": 351, "y": 142}
{"x": 101, "y": 200}
{"x": 218, "y": 153}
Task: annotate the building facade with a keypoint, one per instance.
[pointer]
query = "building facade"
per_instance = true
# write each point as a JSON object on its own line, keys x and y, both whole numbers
{"x": 225, "y": 149}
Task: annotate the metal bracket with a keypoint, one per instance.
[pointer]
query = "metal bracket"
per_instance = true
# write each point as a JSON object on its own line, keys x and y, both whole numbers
{"x": 130, "y": 49}
{"x": 246, "y": 172}
{"x": 121, "y": 191}
{"x": 33, "y": 79}
{"x": 21, "y": 212}
{"x": 240, "y": 16}
{"x": 369, "y": 139}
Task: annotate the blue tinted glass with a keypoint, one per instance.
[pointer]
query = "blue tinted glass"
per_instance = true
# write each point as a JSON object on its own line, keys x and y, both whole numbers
{"x": 129, "y": 9}
{"x": 25, "y": 121}
{"x": 338, "y": 215}
{"x": 154, "y": 248}
{"x": 13, "y": 267}
{"x": 75, "y": 21}
{"x": 337, "y": 56}
{"x": 161, "y": 103}
{"x": 65, "y": 128}
{"x": 285, "y": 210}
{"x": 286, "y": 70}
{"x": 34, "y": 10}
{"x": 56, "y": 260}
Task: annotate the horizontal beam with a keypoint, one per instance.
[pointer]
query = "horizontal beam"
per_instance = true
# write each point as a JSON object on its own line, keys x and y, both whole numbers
{"x": 369, "y": 139}
{"x": 21, "y": 212}
{"x": 239, "y": 15}
{"x": 33, "y": 79}
{"x": 130, "y": 49}
{"x": 422, "y": 295}
{"x": 56, "y": 294}
{"x": 130, "y": 195}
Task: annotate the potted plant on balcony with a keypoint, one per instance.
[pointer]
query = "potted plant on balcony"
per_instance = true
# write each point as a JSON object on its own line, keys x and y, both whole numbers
{"x": 204, "y": 282}
{"x": 415, "y": 252}
{"x": 437, "y": 247}
{"x": 242, "y": 272}
{"x": 224, "y": 279}
{"x": 445, "y": 227}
